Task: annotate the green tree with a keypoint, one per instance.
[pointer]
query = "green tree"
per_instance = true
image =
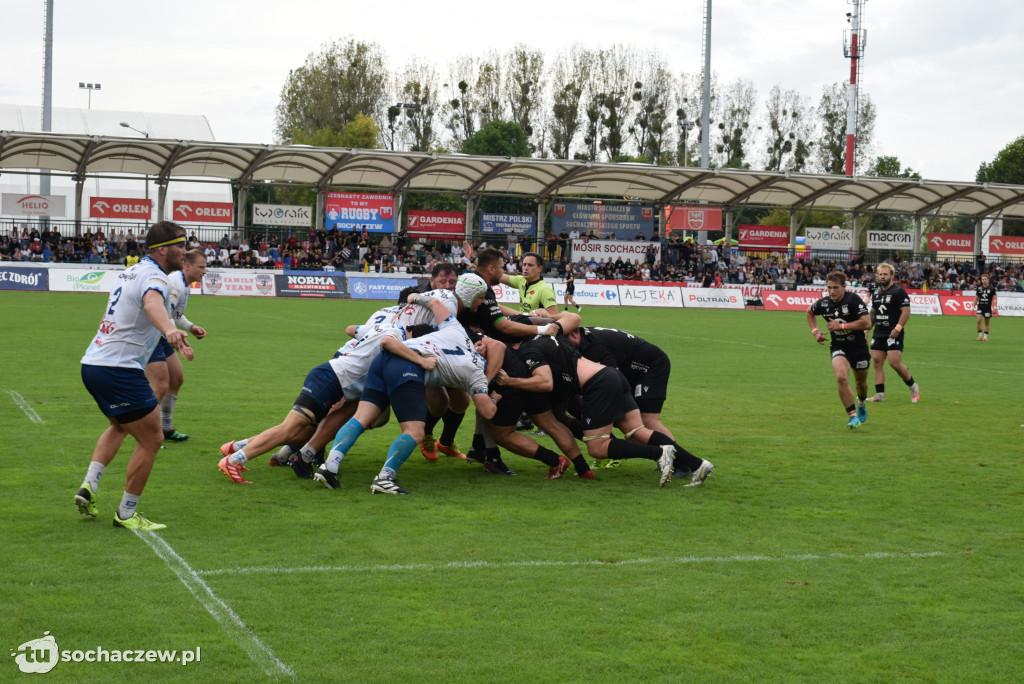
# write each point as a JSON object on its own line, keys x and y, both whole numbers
{"x": 1007, "y": 167}
{"x": 343, "y": 79}
{"x": 499, "y": 139}
{"x": 787, "y": 131}
{"x": 734, "y": 127}
{"x": 831, "y": 142}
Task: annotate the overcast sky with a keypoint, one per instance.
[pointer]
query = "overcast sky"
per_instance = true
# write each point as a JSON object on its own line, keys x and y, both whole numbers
{"x": 946, "y": 77}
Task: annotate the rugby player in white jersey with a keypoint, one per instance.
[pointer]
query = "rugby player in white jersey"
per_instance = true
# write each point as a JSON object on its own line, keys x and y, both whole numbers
{"x": 137, "y": 313}
{"x": 341, "y": 378}
{"x": 399, "y": 376}
{"x": 164, "y": 370}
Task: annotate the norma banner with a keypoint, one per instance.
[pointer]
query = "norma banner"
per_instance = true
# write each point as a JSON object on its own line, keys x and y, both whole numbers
{"x": 1003, "y": 244}
{"x": 688, "y": 217}
{"x": 947, "y": 242}
{"x": 1010, "y": 304}
{"x": 436, "y": 223}
{"x": 33, "y": 205}
{"x": 312, "y": 286}
{"x": 13, "y": 278}
{"x": 388, "y": 289}
{"x": 521, "y": 224}
{"x": 616, "y": 221}
{"x": 834, "y": 238}
{"x": 788, "y": 300}
{"x": 120, "y": 208}
{"x": 764, "y": 236}
{"x": 234, "y": 283}
{"x": 610, "y": 250}
{"x": 186, "y": 211}
{"x": 81, "y": 280}
{"x": 655, "y": 295}
{"x": 712, "y": 298}
{"x": 890, "y": 239}
{"x": 351, "y": 211}
{"x": 282, "y": 215}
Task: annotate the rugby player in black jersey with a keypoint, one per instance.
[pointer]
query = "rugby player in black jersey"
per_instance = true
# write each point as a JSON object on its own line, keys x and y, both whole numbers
{"x": 847, "y": 317}
{"x": 890, "y": 311}
{"x": 984, "y": 304}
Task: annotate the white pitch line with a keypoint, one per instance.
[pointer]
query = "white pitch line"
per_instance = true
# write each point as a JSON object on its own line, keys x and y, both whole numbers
{"x": 24, "y": 406}
{"x": 457, "y": 565}
{"x": 221, "y": 611}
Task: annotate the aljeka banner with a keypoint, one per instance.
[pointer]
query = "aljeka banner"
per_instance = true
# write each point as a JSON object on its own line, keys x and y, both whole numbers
{"x": 618, "y": 221}
{"x": 349, "y": 211}
{"x": 503, "y": 224}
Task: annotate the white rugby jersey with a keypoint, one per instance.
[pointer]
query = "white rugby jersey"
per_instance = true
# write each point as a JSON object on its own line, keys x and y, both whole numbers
{"x": 458, "y": 364}
{"x": 178, "y": 299}
{"x": 385, "y": 316}
{"x": 352, "y": 363}
{"x": 126, "y": 338}
{"x": 414, "y": 314}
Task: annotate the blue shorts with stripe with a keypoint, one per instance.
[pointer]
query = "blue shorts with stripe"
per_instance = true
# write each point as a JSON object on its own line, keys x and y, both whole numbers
{"x": 397, "y": 382}
{"x": 123, "y": 394}
{"x": 162, "y": 351}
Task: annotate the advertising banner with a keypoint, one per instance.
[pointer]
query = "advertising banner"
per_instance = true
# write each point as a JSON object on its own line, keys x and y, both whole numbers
{"x": 82, "y": 280}
{"x": 235, "y": 283}
{"x": 436, "y": 223}
{"x": 946, "y": 242}
{"x": 14, "y": 278}
{"x": 689, "y": 217}
{"x": 311, "y": 285}
{"x": 1010, "y": 304}
{"x": 924, "y": 304}
{"x": 764, "y": 236}
{"x": 33, "y": 205}
{"x": 657, "y": 296}
{"x": 834, "y": 238}
{"x": 1004, "y": 244}
{"x": 610, "y": 250}
{"x": 890, "y": 239}
{"x": 597, "y": 294}
{"x": 522, "y": 224}
{"x": 713, "y": 298}
{"x": 788, "y": 300}
{"x": 120, "y": 208}
{"x": 506, "y": 295}
{"x": 388, "y": 289}
{"x": 186, "y": 211}
{"x": 958, "y": 306}
{"x": 282, "y": 215}
{"x": 605, "y": 220}
{"x": 353, "y": 211}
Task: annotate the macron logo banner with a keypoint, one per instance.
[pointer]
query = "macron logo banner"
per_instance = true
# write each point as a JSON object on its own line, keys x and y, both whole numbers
{"x": 946, "y": 242}
{"x": 120, "y": 208}
{"x": 203, "y": 212}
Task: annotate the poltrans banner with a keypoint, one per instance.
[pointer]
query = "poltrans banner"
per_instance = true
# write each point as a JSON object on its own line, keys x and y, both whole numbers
{"x": 352, "y": 211}
{"x": 623, "y": 221}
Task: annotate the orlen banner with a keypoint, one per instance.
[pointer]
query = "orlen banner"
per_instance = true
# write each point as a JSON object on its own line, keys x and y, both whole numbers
{"x": 282, "y": 215}
{"x": 610, "y": 250}
{"x": 788, "y": 300}
{"x": 624, "y": 221}
{"x": 764, "y": 236}
{"x": 829, "y": 238}
{"x": 690, "y": 217}
{"x": 235, "y": 283}
{"x": 890, "y": 239}
{"x": 655, "y": 295}
{"x": 120, "y": 208}
{"x": 33, "y": 205}
{"x": 1003, "y": 244}
{"x": 712, "y": 298}
{"x": 436, "y": 223}
{"x": 186, "y": 211}
{"x": 351, "y": 211}
{"x": 946, "y": 242}
{"x": 958, "y": 305}
{"x": 503, "y": 224}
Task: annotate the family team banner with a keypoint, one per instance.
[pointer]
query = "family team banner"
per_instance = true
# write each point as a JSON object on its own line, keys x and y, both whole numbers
{"x": 351, "y": 211}
{"x": 606, "y": 220}
{"x": 503, "y": 224}
{"x": 236, "y": 283}
{"x": 33, "y": 205}
{"x": 282, "y": 215}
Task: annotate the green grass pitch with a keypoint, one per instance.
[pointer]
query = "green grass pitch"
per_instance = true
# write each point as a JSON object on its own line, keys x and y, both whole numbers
{"x": 813, "y": 553}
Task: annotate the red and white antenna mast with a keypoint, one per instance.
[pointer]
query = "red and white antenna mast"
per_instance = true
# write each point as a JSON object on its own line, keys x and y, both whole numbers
{"x": 854, "y": 41}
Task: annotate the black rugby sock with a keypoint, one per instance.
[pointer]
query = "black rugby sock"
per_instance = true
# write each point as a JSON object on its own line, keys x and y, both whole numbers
{"x": 910, "y": 382}
{"x": 880, "y": 389}
{"x": 452, "y": 421}
{"x": 580, "y": 464}
{"x": 546, "y": 456}
{"x": 431, "y": 423}
{"x": 621, "y": 449}
{"x": 683, "y": 457}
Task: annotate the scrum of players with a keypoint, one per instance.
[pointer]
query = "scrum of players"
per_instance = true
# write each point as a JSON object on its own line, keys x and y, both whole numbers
{"x": 436, "y": 352}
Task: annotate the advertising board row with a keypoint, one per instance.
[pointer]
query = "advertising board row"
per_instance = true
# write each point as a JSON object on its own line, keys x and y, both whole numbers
{"x": 322, "y": 285}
